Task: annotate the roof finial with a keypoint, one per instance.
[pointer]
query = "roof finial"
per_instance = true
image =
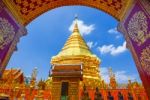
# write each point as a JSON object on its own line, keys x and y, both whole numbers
{"x": 76, "y": 17}
{"x": 76, "y": 24}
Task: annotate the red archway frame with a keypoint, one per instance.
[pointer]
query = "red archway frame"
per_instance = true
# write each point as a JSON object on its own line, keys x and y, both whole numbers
{"x": 26, "y": 10}
{"x": 23, "y": 11}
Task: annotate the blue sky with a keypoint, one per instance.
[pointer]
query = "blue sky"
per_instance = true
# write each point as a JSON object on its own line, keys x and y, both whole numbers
{"x": 48, "y": 33}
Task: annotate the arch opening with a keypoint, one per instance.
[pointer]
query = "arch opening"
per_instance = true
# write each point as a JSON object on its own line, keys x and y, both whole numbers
{"x": 70, "y": 20}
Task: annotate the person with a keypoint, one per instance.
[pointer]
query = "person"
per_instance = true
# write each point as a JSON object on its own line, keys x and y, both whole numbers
{"x": 98, "y": 95}
{"x": 130, "y": 97}
{"x": 120, "y": 96}
{"x": 110, "y": 97}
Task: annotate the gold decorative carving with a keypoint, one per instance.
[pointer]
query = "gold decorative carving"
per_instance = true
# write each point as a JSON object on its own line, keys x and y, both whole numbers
{"x": 145, "y": 59}
{"x": 23, "y": 9}
{"x": 126, "y": 9}
{"x": 138, "y": 28}
{"x": 13, "y": 47}
{"x": 122, "y": 29}
{"x": 14, "y": 11}
{"x": 6, "y": 32}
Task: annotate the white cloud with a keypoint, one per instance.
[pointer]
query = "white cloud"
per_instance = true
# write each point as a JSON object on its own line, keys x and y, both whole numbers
{"x": 91, "y": 44}
{"x": 84, "y": 28}
{"x": 112, "y": 49}
{"x": 118, "y": 36}
{"x": 115, "y": 32}
{"x": 121, "y": 75}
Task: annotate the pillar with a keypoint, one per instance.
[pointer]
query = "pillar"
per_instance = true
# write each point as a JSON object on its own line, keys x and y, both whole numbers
{"x": 136, "y": 28}
{"x": 10, "y": 33}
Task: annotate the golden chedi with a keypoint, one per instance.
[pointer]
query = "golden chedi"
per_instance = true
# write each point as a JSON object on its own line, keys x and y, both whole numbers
{"x": 76, "y": 51}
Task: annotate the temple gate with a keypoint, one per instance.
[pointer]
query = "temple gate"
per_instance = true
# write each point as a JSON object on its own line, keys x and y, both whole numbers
{"x": 16, "y": 14}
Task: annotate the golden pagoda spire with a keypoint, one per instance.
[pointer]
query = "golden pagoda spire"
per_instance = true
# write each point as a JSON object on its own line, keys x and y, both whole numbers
{"x": 76, "y": 24}
{"x": 75, "y": 45}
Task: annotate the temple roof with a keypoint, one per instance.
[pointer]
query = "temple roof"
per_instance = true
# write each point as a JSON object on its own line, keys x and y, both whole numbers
{"x": 75, "y": 45}
{"x": 10, "y": 75}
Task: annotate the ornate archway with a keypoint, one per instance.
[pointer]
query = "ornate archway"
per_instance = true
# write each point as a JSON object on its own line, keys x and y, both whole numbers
{"x": 26, "y": 10}
{"x": 134, "y": 17}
